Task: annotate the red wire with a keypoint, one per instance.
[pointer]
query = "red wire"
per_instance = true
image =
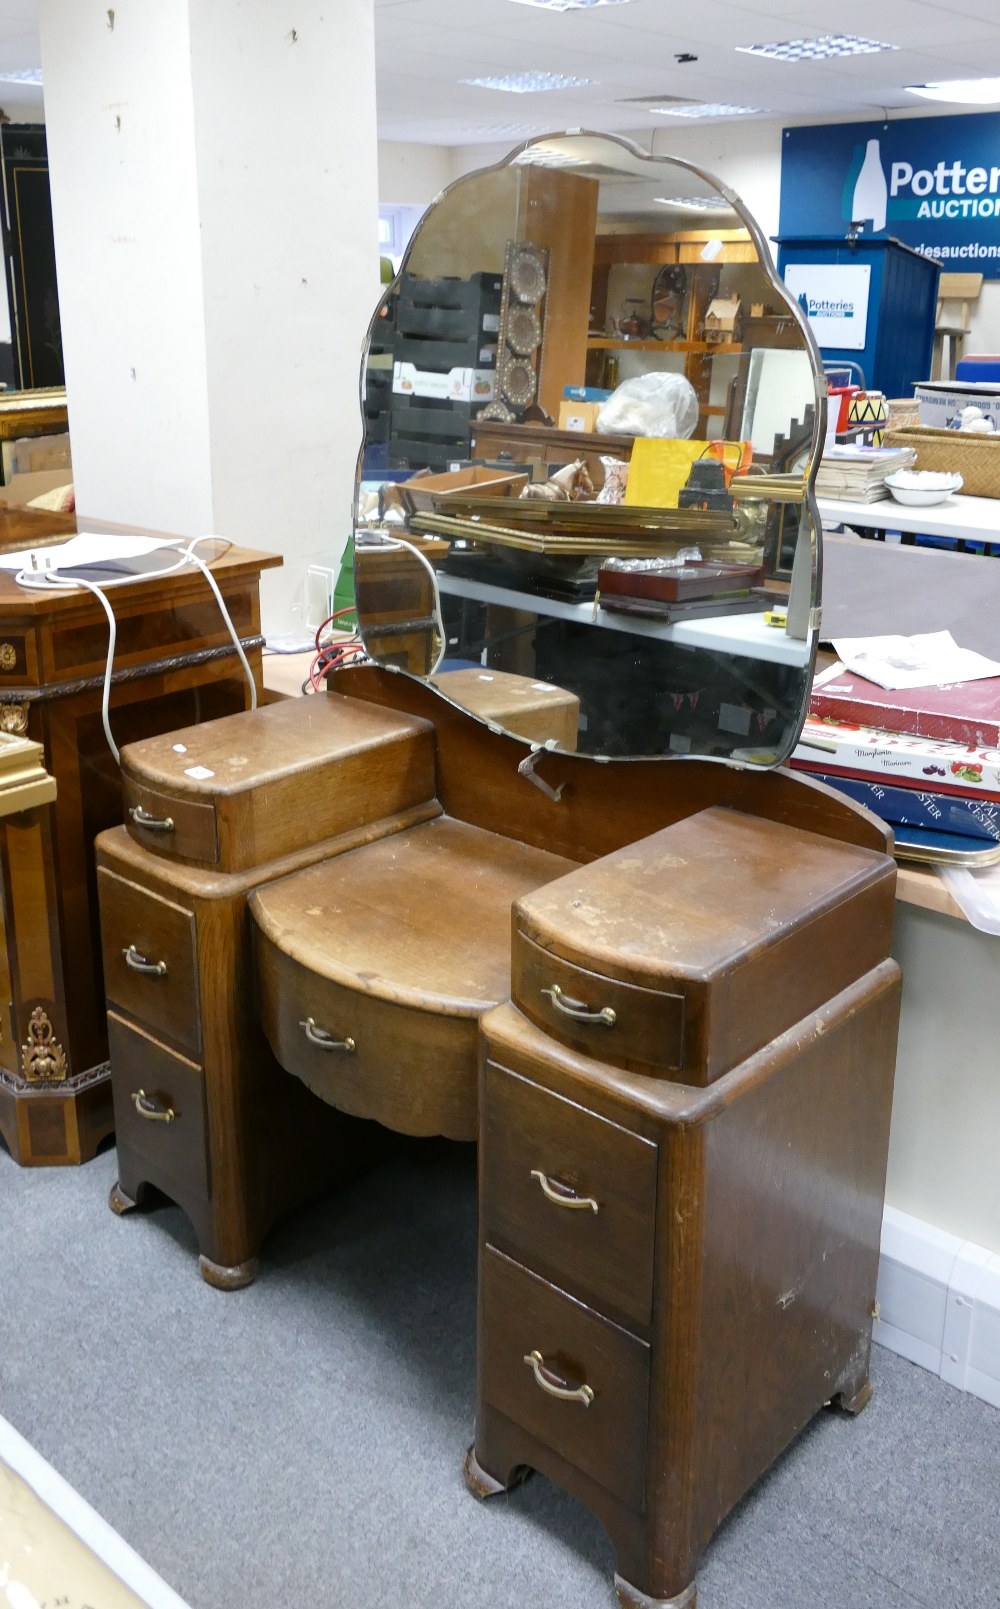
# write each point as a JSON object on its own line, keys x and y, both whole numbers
{"x": 349, "y": 610}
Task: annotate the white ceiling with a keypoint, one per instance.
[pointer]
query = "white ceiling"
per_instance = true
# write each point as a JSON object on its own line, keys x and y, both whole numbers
{"x": 426, "y": 47}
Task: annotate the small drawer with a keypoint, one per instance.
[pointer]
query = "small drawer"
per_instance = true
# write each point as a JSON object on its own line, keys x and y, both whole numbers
{"x": 159, "y": 1103}
{"x": 171, "y": 826}
{"x": 617, "y": 1022}
{"x": 569, "y": 1192}
{"x": 150, "y": 960}
{"x": 565, "y": 1375}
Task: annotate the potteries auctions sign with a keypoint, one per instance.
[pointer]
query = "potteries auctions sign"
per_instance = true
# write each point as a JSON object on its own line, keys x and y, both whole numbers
{"x": 931, "y": 182}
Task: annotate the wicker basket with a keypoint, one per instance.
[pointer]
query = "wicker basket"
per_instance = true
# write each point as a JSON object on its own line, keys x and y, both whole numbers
{"x": 975, "y": 458}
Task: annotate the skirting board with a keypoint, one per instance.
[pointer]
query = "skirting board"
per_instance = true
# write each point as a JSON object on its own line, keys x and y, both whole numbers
{"x": 939, "y": 1304}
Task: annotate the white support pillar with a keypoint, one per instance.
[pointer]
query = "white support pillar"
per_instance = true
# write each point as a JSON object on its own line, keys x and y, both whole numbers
{"x": 215, "y": 200}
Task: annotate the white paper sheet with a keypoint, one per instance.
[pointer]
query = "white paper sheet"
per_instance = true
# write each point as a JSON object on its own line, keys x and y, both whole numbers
{"x": 933, "y": 659}
{"x": 89, "y": 548}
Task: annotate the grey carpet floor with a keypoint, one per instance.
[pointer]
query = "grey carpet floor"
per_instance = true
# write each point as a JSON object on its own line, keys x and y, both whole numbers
{"x": 300, "y": 1443}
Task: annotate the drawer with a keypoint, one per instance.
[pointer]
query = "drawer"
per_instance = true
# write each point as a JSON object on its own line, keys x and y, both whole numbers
{"x": 171, "y": 826}
{"x": 569, "y": 1192}
{"x": 413, "y": 1071}
{"x": 150, "y": 960}
{"x": 535, "y": 1341}
{"x": 619, "y": 1023}
{"x": 159, "y": 1110}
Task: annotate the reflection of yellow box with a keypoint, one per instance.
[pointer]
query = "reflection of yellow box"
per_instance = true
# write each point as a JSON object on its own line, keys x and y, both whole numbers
{"x": 661, "y": 465}
{"x": 579, "y": 415}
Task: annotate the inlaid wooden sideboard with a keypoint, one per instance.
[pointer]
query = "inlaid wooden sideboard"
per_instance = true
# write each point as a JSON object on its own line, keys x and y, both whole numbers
{"x": 174, "y": 664}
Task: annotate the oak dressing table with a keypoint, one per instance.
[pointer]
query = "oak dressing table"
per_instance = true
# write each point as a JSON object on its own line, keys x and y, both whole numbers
{"x": 656, "y": 989}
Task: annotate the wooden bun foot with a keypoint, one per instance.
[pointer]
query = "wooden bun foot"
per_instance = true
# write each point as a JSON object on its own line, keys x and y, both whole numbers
{"x": 631, "y": 1598}
{"x": 119, "y": 1202}
{"x": 482, "y": 1485}
{"x": 228, "y": 1279}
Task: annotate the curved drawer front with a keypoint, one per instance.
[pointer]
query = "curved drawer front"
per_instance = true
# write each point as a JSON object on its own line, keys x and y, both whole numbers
{"x": 413, "y": 1071}
{"x": 150, "y": 960}
{"x": 171, "y": 826}
{"x": 568, "y": 1192}
{"x": 569, "y": 1377}
{"x": 159, "y": 1111}
{"x": 617, "y": 1022}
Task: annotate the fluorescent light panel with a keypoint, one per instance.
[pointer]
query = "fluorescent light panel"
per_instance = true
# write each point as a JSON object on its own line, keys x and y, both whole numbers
{"x": 695, "y": 203}
{"x": 707, "y": 109}
{"x": 960, "y": 91}
{"x": 818, "y": 49}
{"x": 529, "y": 83}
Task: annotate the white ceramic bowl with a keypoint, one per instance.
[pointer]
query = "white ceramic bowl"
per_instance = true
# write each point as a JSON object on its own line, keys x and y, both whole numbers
{"x": 922, "y": 488}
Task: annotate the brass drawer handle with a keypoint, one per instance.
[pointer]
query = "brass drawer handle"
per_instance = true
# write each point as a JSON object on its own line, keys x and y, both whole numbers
{"x": 150, "y": 1111}
{"x": 551, "y": 1383}
{"x": 323, "y": 1040}
{"x": 142, "y": 818}
{"x": 139, "y": 963}
{"x": 579, "y": 1010}
{"x": 561, "y": 1195}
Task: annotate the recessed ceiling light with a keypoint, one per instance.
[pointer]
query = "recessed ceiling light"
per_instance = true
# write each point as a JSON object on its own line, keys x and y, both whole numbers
{"x": 964, "y": 91}
{"x": 706, "y": 109}
{"x": 529, "y": 83}
{"x": 569, "y": 5}
{"x": 818, "y": 49}
{"x": 27, "y": 75}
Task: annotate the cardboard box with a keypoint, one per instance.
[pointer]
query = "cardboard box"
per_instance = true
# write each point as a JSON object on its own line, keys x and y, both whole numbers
{"x": 454, "y": 385}
{"x": 941, "y": 401}
{"x": 579, "y": 415}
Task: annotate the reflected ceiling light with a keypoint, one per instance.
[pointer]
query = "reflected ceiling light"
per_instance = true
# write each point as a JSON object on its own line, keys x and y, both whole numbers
{"x": 960, "y": 91}
{"x": 706, "y": 109}
{"x": 569, "y": 5}
{"x": 695, "y": 203}
{"x": 26, "y": 75}
{"x": 818, "y": 49}
{"x": 529, "y": 83}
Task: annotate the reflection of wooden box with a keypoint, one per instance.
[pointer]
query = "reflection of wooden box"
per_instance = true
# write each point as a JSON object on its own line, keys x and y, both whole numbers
{"x": 422, "y": 495}
{"x": 522, "y": 704}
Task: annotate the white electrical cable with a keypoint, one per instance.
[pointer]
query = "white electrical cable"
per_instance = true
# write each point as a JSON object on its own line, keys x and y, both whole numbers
{"x": 45, "y": 580}
{"x": 399, "y": 542}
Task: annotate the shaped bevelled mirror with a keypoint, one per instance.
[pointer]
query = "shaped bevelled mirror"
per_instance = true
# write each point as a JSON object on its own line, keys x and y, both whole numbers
{"x": 592, "y": 418}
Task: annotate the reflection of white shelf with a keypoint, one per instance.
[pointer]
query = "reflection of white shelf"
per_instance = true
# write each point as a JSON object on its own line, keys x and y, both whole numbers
{"x": 735, "y": 634}
{"x": 966, "y": 518}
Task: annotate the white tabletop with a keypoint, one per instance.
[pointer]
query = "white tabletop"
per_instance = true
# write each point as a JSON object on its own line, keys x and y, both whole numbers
{"x": 960, "y": 517}
{"x": 744, "y": 634}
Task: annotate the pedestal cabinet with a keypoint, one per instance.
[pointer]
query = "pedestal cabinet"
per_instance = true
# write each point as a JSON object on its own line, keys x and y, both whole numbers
{"x": 682, "y": 1163}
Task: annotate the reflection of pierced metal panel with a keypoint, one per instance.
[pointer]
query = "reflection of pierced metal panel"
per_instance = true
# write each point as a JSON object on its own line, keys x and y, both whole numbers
{"x": 524, "y": 331}
{"x": 527, "y": 274}
{"x": 518, "y": 383}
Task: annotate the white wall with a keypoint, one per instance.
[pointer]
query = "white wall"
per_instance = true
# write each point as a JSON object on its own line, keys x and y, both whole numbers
{"x": 218, "y": 263}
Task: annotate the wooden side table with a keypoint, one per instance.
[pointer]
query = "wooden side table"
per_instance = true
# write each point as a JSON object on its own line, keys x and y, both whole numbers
{"x": 174, "y": 665}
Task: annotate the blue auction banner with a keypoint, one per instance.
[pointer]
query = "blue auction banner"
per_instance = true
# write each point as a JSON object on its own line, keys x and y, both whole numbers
{"x": 931, "y": 182}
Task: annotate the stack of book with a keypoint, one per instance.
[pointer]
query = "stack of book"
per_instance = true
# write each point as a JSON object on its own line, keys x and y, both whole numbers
{"x": 857, "y": 474}
{"x": 927, "y": 760}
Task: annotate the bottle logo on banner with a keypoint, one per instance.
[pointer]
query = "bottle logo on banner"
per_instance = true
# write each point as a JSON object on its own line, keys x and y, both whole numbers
{"x": 870, "y": 198}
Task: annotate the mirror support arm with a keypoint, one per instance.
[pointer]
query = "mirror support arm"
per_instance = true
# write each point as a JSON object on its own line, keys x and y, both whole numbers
{"x": 527, "y": 769}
